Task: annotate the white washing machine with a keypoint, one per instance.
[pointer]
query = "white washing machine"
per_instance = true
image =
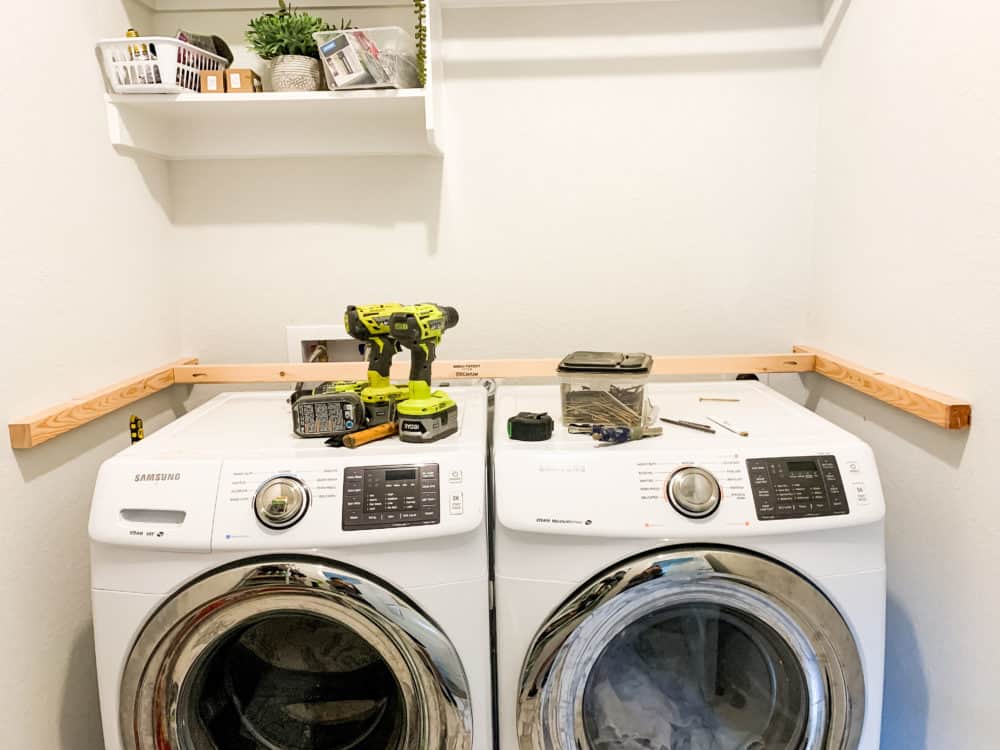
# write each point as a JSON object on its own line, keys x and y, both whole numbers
{"x": 255, "y": 590}
{"x": 696, "y": 590}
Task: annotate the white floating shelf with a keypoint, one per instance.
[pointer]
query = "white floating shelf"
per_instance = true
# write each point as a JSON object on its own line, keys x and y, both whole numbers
{"x": 206, "y": 5}
{"x": 273, "y": 125}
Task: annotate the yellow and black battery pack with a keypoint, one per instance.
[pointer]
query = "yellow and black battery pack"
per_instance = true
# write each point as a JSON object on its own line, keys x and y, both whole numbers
{"x": 327, "y": 413}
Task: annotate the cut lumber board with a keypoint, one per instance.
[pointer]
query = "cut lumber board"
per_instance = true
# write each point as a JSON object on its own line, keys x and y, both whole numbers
{"x": 45, "y": 425}
{"x": 284, "y": 372}
{"x": 943, "y": 410}
{"x": 732, "y": 364}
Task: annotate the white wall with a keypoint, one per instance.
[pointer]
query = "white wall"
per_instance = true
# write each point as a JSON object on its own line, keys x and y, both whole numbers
{"x": 83, "y": 303}
{"x": 643, "y": 200}
{"x": 658, "y": 197}
{"x": 907, "y": 278}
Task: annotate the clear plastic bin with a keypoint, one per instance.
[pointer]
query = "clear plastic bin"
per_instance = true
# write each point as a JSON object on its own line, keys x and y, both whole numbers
{"x": 155, "y": 65}
{"x": 382, "y": 57}
{"x": 605, "y": 388}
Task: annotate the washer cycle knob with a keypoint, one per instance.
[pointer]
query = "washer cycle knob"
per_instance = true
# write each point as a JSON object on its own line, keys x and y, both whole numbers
{"x": 281, "y": 502}
{"x": 693, "y": 492}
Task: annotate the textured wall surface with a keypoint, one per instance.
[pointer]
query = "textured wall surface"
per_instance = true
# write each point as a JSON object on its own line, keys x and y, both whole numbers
{"x": 84, "y": 303}
{"x": 907, "y": 277}
{"x": 640, "y": 180}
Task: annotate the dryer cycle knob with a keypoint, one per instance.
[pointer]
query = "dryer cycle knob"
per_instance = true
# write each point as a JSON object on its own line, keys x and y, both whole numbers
{"x": 694, "y": 492}
{"x": 281, "y": 502}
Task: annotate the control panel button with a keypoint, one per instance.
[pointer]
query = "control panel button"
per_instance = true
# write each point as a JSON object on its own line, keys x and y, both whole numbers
{"x": 694, "y": 492}
{"x": 796, "y": 487}
{"x": 456, "y": 503}
{"x": 281, "y": 502}
{"x": 377, "y": 497}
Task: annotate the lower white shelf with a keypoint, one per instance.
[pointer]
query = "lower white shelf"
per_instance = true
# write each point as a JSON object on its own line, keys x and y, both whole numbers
{"x": 273, "y": 125}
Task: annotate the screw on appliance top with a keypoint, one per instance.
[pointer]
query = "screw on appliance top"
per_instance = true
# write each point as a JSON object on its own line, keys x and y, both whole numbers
{"x": 694, "y": 492}
{"x": 281, "y": 502}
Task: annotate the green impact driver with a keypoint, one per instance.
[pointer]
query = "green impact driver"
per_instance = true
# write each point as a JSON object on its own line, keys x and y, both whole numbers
{"x": 425, "y": 415}
{"x": 370, "y": 323}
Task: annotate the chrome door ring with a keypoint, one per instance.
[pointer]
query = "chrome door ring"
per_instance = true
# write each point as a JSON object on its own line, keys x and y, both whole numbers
{"x": 427, "y": 669}
{"x": 555, "y": 671}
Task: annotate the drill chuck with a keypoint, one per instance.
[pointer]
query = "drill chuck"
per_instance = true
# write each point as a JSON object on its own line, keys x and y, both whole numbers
{"x": 450, "y": 317}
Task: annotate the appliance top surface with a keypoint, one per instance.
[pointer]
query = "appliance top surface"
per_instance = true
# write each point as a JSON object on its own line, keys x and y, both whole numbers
{"x": 202, "y": 483}
{"x": 794, "y": 472}
{"x": 774, "y": 423}
{"x": 258, "y": 424}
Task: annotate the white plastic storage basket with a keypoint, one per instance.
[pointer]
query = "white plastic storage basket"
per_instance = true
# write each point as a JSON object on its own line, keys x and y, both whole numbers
{"x": 155, "y": 65}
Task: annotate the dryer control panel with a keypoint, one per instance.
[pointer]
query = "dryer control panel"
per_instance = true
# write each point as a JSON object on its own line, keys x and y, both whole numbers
{"x": 796, "y": 487}
{"x": 379, "y": 497}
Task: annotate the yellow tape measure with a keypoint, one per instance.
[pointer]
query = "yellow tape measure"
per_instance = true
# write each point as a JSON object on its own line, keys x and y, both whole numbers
{"x": 135, "y": 429}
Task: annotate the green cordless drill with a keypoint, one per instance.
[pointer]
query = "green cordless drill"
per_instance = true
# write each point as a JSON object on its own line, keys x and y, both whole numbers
{"x": 425, "y": 415}
{"x": 370, "y": 323}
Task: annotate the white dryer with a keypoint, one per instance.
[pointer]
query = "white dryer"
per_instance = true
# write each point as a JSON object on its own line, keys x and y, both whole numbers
{"x": 255, "y": 590}
{"x": 696, "y": 590}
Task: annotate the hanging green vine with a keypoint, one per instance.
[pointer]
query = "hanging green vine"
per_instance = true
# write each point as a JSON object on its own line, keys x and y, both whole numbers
{"x": 420, "y": 36}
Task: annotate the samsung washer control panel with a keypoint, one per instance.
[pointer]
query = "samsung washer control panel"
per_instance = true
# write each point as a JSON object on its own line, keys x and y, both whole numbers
{"x": 796, "y": 487}
{"x": 382, "y": 497}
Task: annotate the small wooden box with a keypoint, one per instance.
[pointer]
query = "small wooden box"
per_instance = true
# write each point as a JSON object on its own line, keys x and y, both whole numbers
{"x": 213, "y": 82}
{"x": 242, "y": 81}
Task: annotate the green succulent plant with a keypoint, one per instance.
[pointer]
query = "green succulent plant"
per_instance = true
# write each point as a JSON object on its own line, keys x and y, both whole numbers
{"x": 420, "y": 37}
{"x": 285, "y": 32}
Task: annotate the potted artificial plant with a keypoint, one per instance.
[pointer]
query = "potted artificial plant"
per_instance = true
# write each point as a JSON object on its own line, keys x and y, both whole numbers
{"x": 286, "y": 39}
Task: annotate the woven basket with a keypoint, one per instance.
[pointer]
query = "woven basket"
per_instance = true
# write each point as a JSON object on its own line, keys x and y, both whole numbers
{"x": 296, "y": 73}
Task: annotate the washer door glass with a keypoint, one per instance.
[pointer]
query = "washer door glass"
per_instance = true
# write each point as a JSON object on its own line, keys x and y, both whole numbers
{"x": 697, "y": 677}
{"x": 693, "y": 649}
{"x": 292, "y": 654}
{"x": 294, "y": 682}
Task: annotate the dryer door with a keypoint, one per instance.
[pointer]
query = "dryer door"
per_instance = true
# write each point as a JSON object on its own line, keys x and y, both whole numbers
{"x": 292, "y": 654}
{"x": 696, "y": 649}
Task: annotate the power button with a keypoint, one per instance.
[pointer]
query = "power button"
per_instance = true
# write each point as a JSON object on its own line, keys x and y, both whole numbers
{"x": 281, "y": 502}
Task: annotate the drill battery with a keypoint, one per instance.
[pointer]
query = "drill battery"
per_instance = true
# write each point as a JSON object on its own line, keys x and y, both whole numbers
{"x": 426, "y": 428}
{"x": 328, "y": 411}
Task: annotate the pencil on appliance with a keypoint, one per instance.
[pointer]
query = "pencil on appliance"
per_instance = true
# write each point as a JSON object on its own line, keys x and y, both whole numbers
{"x": 741, "y": 433}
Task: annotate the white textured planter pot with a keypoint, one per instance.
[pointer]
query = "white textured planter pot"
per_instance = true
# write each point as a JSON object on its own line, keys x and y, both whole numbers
{"x": 296, "y": 73}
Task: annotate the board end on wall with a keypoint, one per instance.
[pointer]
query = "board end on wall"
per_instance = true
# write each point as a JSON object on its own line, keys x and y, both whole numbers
{"x": 20, "y": 435}
{"x": 32, "y": 431}
{"x": 945, "y": 411}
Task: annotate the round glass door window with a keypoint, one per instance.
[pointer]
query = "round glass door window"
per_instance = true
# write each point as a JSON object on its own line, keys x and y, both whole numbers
{"x": 697, "y": 676}
{"x": 291, "y": 681}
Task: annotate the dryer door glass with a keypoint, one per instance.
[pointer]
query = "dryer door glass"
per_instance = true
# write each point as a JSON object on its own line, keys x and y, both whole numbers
{"x": 693, "y": 649}
{"x": 698, "y": 677}
{"x": 292, "y": 681}
{"x": 292, "y": 654}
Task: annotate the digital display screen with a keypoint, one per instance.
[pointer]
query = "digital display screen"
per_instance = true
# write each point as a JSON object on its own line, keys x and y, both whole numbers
{"x": 803, "y": 466}
{"x": 396, "y": 475}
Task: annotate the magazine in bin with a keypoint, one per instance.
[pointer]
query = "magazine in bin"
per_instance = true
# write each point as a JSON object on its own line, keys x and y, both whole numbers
{"x": 373, "y": 58}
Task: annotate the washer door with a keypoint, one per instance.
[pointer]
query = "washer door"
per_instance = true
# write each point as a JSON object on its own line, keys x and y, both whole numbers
{"x": 292, "y": 655}
{"x": 693, "y": 649}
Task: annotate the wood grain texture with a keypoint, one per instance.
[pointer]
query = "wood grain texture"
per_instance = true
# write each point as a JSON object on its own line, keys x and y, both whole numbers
{"x": 285, "y": 372}
{"x": 45, "y": 425}
{"x": 943, "y": 410}
{"x": 946, "y": 411}
{"x": 732, "y": 364}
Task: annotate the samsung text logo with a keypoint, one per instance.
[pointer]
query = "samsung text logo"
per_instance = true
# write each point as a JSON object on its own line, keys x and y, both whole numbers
{"x": 157, "y": 477}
